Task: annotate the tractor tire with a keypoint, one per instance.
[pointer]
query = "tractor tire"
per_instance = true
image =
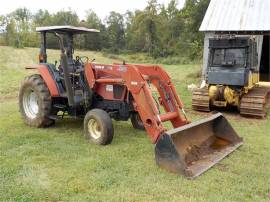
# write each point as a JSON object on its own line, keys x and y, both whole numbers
{"x": 35, "y": 102}
{"x": 98, "y": 127}
{"x": 136, "y": 121}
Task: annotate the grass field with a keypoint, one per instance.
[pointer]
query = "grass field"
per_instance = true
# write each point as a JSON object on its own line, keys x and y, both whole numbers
{"x": 57, "y": 164}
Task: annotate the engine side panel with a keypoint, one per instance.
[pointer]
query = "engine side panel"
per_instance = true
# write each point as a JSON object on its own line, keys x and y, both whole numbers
{"x": 236, "y": 77}
{"x": 111, "y": 91}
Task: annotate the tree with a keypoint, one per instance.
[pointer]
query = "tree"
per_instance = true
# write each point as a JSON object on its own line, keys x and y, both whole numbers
{"x": 149, "y": 22}
{"x": 160, "y": 30}
{"x": 116, "y": 31}
{"x": 171, "y": 28}
{"x": 94, "y": 41}
{"x": 65, "y": 18}
{"x": 145, "y": 28}
{"x": 42, "y": 18}
{"x": 11, "y": 35}
{"x": 2, "y": 23}
{"x": 18, "y": 27}
{"x": 193, "y": 13}
{"x": 128, "y": 18}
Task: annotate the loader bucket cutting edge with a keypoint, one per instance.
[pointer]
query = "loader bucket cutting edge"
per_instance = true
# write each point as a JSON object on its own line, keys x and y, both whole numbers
{"x": 192, "y": 149}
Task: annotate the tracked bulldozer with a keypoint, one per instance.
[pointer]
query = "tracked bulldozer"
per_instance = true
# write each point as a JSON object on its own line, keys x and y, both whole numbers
{"x": 102, "y": 92}
{"x": 236, "y": 76}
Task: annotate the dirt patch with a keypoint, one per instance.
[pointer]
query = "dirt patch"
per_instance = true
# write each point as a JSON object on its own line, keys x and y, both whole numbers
{"x": 228, "y": 114}
{"x": 8, "y": 98}
{"x": 211, "y": 145}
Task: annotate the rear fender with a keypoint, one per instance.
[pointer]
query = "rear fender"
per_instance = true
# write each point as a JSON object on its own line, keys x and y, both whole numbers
{"x": 47, "y": 77}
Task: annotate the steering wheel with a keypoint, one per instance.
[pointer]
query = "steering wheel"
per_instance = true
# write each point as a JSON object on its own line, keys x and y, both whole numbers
{"x": 82, "y": 59}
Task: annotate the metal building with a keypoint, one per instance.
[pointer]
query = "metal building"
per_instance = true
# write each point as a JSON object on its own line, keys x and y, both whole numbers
{"x": 237, "y": 17}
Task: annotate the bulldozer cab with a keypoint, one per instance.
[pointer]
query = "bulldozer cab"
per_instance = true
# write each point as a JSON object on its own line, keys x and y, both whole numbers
{"x": 236, "y": 58}
{"x": 231, "y": 60}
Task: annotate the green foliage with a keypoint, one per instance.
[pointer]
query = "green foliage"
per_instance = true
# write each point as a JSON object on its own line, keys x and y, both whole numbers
{"x": 65, "y": 18}
{"x": 116, "y": 30}
{"x": 158, "y": 30}
{"x": 42, "y": 18}
{"x": 93, "y": 41}
{"x": 11, "y": 35}
{"x": 193, "y": 14}
{"x": 16, "y": 28}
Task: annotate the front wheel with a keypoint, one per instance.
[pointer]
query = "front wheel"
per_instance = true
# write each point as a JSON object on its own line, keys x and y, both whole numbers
{"x": 98, "y": 127}
{"x": 137, "y": 121}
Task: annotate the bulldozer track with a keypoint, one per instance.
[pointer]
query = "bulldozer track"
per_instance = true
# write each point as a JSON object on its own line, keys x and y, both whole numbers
{"x": 256, "y": 102}
{"x": 200, "y": 100}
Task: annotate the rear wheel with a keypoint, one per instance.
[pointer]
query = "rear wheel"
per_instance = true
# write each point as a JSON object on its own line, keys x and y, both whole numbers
{"x": 98, "y": 127}
{"x": 137, "y": 121}
{"x": 35, "y": 102}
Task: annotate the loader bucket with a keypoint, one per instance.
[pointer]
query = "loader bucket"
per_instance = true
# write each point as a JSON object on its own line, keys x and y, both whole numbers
{"x": 192, "y": 149}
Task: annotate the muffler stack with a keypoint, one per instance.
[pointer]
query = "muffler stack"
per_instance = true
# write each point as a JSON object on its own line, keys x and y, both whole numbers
{"x": 194, "y": 148}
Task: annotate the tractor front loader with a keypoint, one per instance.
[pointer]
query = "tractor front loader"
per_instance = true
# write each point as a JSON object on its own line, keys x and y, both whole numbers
{"x": 101, "y": 92}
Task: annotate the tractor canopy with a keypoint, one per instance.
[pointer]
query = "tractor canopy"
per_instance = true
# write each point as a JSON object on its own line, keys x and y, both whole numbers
{"x": 66, "y": 30}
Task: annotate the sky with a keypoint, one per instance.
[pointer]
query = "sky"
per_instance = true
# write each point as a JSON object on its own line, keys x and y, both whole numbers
{"x": 101, "y": 7}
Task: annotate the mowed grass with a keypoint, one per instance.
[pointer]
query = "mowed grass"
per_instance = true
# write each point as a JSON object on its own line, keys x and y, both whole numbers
{"x": 57, "y": 164}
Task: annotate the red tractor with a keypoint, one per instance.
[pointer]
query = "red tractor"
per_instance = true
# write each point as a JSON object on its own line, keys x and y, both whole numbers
{"x": 102, "y": 92}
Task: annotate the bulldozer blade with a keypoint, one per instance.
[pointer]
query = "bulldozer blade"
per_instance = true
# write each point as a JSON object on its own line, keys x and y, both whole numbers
{"x": 192, "y": 149}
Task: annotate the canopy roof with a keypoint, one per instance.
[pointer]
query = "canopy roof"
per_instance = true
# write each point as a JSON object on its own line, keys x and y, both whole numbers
{"x": 66, "y": 29}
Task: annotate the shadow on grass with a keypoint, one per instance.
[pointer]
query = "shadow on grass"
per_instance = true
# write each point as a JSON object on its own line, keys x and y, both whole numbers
{"x": 123, "y": 130}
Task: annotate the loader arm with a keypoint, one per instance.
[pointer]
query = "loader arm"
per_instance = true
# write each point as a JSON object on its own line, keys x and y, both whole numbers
{"x": 137, "y": 79}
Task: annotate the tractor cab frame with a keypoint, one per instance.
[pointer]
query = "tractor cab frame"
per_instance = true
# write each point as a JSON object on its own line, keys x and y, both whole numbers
{"x": 68, "y": 31}
{"x": 69, "y": 76}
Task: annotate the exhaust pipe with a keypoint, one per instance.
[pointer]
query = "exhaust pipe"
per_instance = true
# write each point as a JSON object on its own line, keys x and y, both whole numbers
{"x": 64, "y": 63}
{"x": 192, "y": 149}
{"x": 70, "y": 95}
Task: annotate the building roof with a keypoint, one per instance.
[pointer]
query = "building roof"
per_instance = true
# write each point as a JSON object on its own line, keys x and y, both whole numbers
{"x": 65, "y": 29}
{"x": 237, "y": 15}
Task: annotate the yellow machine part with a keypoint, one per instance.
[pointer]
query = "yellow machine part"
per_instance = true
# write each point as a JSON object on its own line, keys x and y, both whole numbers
{"x": 230, "y": 96}
{"x": 254, "y": 78}
{"x": 264, "y": 84}
{"x": 213, "y": 92}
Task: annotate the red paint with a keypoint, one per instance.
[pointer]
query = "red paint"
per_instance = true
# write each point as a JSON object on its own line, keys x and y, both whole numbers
{"x": 45, "y": 74}
{"x": 101, "y": 90}
{"x": 106, "y": 80}
{"x": 90, "y": 77}
{"x": 136, "y": 79}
